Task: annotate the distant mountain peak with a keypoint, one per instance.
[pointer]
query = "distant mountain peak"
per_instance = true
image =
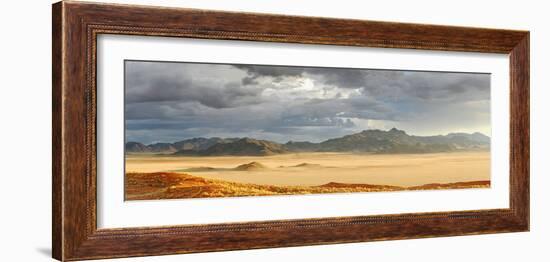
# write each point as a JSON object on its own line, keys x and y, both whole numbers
{"x": 248, "y": 140}
{"x": 379, "y": 131}
{"x": 245, "y": 146}
{"x": 479, "y": 134}
{"x": 397, "y": 131}
{"x": 371, "y": 140}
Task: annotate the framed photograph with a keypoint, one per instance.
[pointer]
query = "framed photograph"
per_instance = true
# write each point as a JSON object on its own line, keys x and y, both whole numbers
{"x": 182, "y": 130}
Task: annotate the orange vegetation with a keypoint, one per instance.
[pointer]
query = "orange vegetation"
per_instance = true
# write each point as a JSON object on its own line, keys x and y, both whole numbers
{"x": 164, "y": 185}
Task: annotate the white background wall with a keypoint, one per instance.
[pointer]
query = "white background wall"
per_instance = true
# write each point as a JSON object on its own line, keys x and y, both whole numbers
{"x": 25, "y": 81}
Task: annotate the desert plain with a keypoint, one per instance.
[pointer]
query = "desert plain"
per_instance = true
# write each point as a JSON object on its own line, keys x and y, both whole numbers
{"x": 157, "y": 176}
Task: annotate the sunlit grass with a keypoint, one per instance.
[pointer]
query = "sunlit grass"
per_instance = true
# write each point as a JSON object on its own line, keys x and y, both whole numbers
{"x": 162, "y": 185}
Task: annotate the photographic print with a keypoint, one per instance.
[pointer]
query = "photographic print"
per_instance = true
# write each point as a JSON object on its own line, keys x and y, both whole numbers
{"x": 203, "y": 130}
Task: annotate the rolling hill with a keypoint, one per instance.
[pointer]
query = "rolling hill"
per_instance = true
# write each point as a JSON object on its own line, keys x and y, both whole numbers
{"x": 245, "y": 147}
{"x": 190, "y": 146}
{"x": 398, "y": 141}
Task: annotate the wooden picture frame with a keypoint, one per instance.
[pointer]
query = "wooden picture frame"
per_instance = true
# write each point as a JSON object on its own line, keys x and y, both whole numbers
{"x": 76, "y": 26}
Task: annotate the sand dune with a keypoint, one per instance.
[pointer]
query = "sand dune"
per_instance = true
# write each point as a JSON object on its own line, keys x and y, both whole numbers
{"x": 252, "y": 166}
{"x": 307, "y": 165}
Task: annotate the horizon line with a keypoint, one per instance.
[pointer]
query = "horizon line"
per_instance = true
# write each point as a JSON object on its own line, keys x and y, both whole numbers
{"x": 374, "y": 129}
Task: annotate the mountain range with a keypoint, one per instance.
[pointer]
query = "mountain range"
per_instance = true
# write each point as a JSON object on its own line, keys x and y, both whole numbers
{"x": 367, "y": 141}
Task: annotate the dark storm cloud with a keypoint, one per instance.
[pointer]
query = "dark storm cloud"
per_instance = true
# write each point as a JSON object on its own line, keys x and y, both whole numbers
{"x": 172, "y": 101}
{"x": 343, "y": 77}
{"x": 276, "y": 72}
{"x": 408, "y": 84}
{"x": 226, "y": 95}
{"x": 154, "y": 82}
{"x": 403, "y": 85}
{"x": 422, "y": 85}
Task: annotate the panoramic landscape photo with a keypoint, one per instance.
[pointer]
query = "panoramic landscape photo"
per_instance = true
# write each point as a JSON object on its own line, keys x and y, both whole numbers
{"x": 203, "y": 130}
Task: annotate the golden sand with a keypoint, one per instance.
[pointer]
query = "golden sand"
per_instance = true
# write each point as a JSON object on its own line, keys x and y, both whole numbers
{"x": 311, "y": 169}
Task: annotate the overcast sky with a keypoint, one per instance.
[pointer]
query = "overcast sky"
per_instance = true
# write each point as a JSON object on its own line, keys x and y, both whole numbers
{"x": 168, "y": 102}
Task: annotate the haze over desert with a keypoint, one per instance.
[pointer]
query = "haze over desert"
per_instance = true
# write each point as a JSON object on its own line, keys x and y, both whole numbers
{"x": 314, "y": 169}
